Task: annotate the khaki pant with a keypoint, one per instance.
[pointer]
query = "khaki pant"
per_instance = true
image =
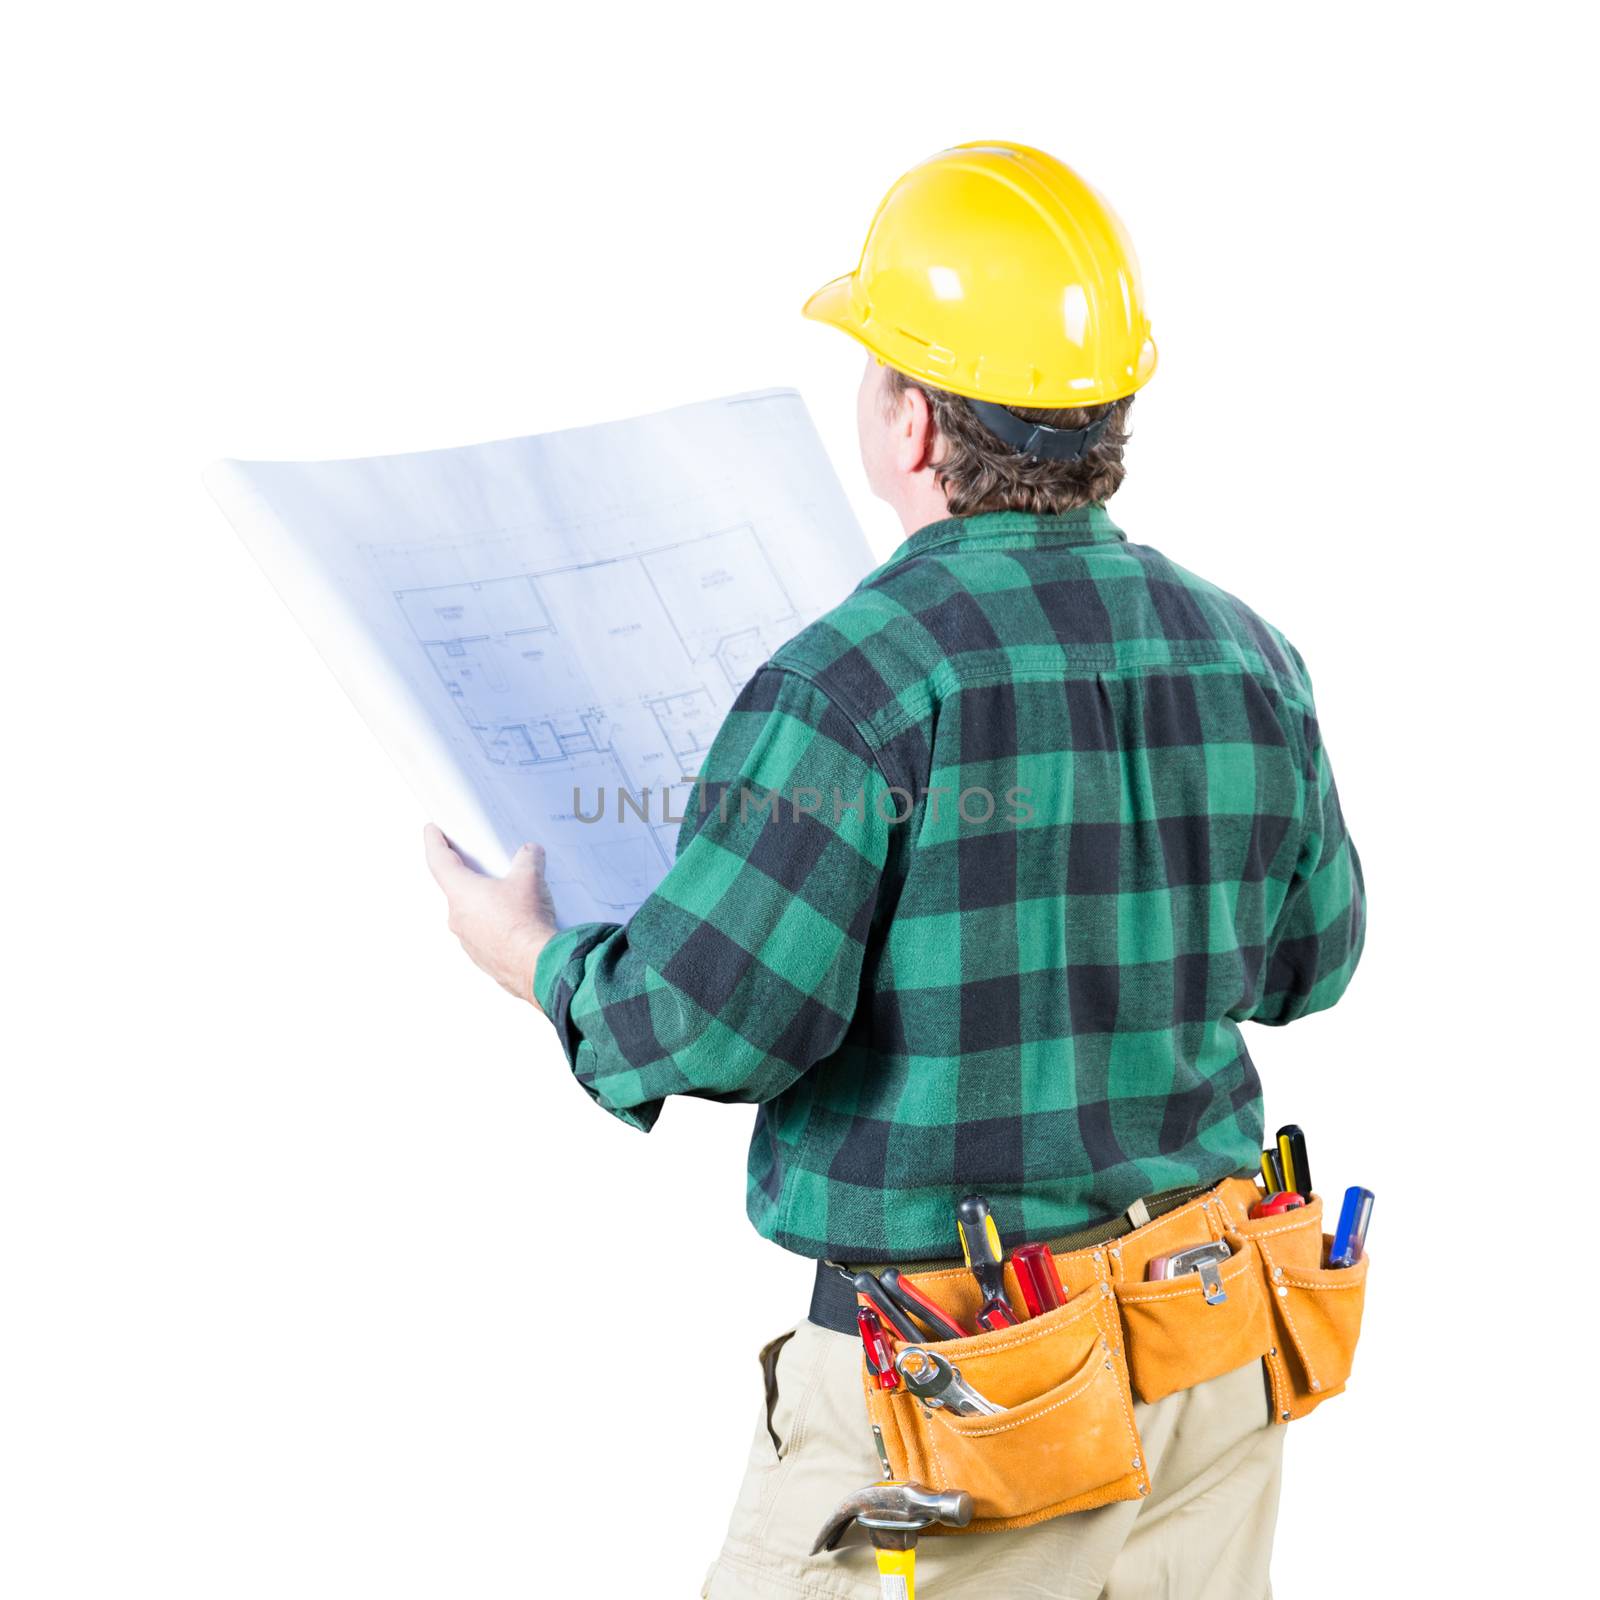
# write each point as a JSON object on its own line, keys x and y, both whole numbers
{"x": 1203, "y": 1533}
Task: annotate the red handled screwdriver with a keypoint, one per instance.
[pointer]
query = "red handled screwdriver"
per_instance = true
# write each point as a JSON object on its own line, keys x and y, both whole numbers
{"x": 1038, "y": 1278}
{"x": 980, "y": 1246}
{"x": 879, "y": 1361}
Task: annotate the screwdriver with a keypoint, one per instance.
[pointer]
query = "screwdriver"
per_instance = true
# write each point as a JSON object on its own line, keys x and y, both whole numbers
{"x": 980, "y": 1246}
{"x": 879, "y": 1361}
{"x": 1038, "y": 1278}
{"x": 1292, "y": 1153}
{"x": 1349, "y": 1239}
{"x": 1272, "y": 1171}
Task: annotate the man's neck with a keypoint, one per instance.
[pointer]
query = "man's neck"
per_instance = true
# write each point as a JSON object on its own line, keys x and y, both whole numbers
{"x": 921, "y": 502}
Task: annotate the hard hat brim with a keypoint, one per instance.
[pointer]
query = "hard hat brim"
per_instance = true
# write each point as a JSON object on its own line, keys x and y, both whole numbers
{"x": 835, "y": 304}
{"x": 831, "y": 304}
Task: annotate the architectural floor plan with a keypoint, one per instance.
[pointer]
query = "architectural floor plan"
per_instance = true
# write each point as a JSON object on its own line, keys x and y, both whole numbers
{"x": 617, "y": 672}
{"x": 547, "y": 632}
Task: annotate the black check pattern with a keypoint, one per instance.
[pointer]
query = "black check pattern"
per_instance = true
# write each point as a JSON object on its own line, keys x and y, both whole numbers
{"x": 990, "y": 864}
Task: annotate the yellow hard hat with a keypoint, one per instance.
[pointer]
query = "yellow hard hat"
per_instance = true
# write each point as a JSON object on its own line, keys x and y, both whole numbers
{"x": 994, "y": 271}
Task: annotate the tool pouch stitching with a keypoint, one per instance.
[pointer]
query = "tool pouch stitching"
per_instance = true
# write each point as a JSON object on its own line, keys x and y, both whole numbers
{"x": 1316, "y": 1310}
{"x": 1073, "y": 1442}
{"x": 1067, "y": 1440}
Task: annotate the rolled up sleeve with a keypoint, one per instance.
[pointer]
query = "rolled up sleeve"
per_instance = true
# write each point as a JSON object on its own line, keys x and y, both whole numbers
{"x": 742, "y": 969}
{"x": 1322, "y": 927}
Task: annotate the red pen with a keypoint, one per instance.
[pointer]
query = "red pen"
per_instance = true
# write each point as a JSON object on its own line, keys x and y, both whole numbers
{"x": 879, "y": 1362}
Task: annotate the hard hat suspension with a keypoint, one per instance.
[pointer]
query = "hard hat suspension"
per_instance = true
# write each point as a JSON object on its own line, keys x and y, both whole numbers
{"x": 1035, "y": 438}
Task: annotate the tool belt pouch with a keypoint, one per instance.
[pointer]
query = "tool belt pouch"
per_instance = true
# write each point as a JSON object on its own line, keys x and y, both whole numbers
{"x": 1316, "y": 1310}
{"x": 1066, "y": 1438}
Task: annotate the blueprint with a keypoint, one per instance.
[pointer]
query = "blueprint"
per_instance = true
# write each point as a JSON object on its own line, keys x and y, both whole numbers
{"x": 545, "y": 633}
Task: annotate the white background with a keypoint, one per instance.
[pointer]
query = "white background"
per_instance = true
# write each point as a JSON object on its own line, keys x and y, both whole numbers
{"x": 305, "y": 1225}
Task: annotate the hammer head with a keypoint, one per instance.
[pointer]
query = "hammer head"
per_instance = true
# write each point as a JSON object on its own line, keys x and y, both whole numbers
{"x": 895, "y": 1513}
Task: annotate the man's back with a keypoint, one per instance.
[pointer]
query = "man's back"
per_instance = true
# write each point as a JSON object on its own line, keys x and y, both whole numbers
{"x": 985, "y": 871}
{"x": 1036, "y": 820}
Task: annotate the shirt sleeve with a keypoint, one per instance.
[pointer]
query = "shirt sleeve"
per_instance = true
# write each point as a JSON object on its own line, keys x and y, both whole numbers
{"x": 1322, "y": 926}
{"x": 741, "y": 970}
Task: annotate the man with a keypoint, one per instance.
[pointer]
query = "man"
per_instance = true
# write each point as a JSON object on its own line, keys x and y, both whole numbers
{"x": 988, "y": 866}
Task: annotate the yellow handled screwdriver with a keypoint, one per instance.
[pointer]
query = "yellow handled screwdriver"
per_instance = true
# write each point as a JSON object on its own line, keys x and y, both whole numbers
{"x": 1272, "y": 1171}
{"x": 1292, "y": 1154}
{"x": 980, "y": 1245}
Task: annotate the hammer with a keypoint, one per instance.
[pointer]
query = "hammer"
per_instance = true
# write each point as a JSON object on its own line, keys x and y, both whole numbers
{"x": 893, "y": 1514}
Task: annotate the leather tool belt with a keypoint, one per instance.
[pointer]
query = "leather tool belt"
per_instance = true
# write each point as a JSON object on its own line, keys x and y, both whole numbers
{"x": 1065, "y": 1438}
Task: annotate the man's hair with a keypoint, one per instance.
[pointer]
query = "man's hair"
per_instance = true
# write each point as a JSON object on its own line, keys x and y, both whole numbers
{"x": 979, "y": 472}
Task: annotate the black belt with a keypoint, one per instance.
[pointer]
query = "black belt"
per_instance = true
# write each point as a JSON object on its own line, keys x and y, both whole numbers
{"x": 833, "y": 1296}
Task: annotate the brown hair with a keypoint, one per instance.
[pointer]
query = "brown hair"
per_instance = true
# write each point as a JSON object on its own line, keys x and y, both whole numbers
{"x": 979, "y": 472}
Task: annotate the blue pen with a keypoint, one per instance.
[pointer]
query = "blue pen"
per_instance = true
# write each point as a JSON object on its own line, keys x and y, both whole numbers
{"x": 1350, "y": 1236}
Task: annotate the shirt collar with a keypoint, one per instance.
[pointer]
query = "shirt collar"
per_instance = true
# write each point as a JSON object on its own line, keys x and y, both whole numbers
{"x": 1085, "y": 525}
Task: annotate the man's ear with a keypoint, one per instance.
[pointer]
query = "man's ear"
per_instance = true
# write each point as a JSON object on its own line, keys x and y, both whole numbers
{"x": 914, "y": 431}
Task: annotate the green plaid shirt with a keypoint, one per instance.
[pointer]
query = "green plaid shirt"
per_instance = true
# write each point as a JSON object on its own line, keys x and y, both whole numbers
{"x": 988, "y": 866}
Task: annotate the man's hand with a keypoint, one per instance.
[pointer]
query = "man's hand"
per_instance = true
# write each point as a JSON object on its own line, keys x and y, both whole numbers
{"x": 502, "y": 923}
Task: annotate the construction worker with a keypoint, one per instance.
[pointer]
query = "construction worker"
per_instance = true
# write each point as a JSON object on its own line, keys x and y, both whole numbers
{"x": 988, "y": 866}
